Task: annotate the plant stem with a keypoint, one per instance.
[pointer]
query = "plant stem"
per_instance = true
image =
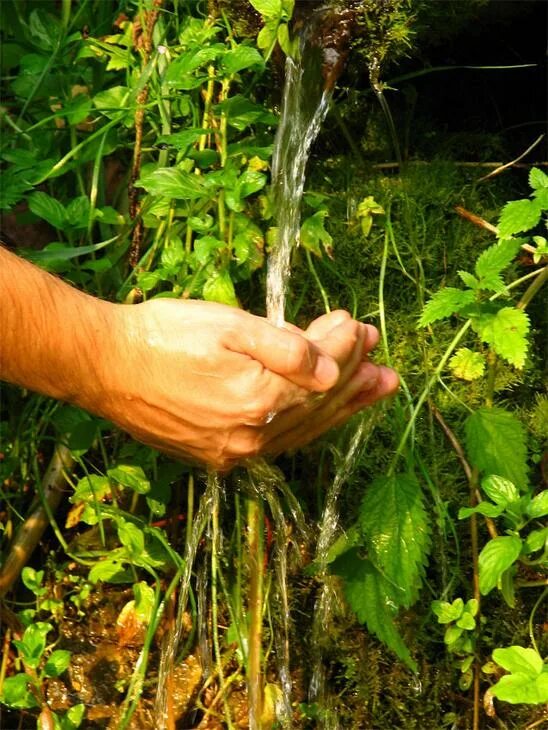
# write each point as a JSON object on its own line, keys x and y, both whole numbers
{"x": 533, "y": 289}
{"x": 256, "y": 573}
{"x": 317, "y": 279}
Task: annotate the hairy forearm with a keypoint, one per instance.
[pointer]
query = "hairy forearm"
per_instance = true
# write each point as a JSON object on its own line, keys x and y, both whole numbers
{"x": 51, "y": 333}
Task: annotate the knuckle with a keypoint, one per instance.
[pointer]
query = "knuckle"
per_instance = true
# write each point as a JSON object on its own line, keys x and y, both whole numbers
{"x": 299, "y": 355}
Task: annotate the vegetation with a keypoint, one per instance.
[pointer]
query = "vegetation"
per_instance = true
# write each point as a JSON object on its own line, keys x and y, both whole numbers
{"x": 136, "y": 144}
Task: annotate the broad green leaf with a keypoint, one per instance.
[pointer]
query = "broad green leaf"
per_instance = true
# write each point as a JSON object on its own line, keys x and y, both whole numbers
{"x": 147, "y": 280}
{"x": 448, "y": 612}
{"x": 33, "y": 643}
{"x": 495, "y": 443}
{"x": 57, "y": 662}
{"x": 205, "y": 248}
{"x": 78, "y": 209}
{"x": 91, "y": 488}
{"x": 538, "y": 506}
{"x": 496, "y": 258}
{"x": 289, "y": 46}
{"x": 172, "y": 182}
{"x": 519, "y": 659}
{"x": 242, "y": 112}
{"x": 396, "y": 527}
{"x": 372, "y": 598}
{"x": 519, "y": 688}
{"x": 32, "y": 579}
{"x": 129, "y": 475}
{"x": 112, "y": 100}
{"x": 500, "y": 490}
{"x": 182, "y": 140}
{"x": 82, "y": 436}
{"x": 268, "y": 8}
{"x": 240, "y": 58}
{"x": 452, "y": 634}
{"x": 506, "y": 332}
{"x": 189, "y": 62}
{"x": 267, "y": 36}
{"x": 131, "y": 537}
{"x": 45, "y": 29}
{"x": 144, "y": 601}
{"x": 249, "y": 247}
{"x": 444, "y": 303}
{"x": 110, "y": 571}
{"x": 77, "y": 109}
{"x": 537, "y": 178}
{"x": 518, "y": 216}
{"x": 496, "y": 557}
{"x": 219, "y": 288}
{"x": 536, "y": 540}
{"x": 313, "y": 234}
{"x": 75, "y": 716}
{"x": 483, "y": 508}
{"x": 15, "y": 692}
{"x": 467, "y": 364}
{"x": 48, "y": 208}
{"x": 472, "y": 606}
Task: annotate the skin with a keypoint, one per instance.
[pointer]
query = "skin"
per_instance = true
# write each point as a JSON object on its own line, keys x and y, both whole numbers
{"x": 197, "y": 380}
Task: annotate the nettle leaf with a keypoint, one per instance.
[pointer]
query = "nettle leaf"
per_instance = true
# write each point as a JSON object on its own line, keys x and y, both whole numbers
{"x": 395, "y": 524}
{"x": 172, "y": 182}
{"x": 496, "y": 557}
{"x": 467, "y": 364}
{"x": 444, "y": 303}
{"x": 48, "y": 208}
{"x": 469, "y": 279}
{"x": 537, "y": 178}
{"x": 240, "y": 58}
{"x": 313, "y": 234}
{"x": 500, "y": 490}
{"x": 538, "y": 506}
{"x": 518, "y": 216}
{"x": 495, "y": 443}
{"x": 506, "y": 332}
{"x": 496, "y": 258}
{"x": 372, "y": 598}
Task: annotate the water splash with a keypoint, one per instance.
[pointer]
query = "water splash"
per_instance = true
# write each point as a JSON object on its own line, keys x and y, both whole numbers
{"x": 173, "y": 639}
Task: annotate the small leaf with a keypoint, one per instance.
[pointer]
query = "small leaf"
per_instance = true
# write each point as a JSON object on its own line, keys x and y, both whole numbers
{"x": 496, "y": 557}
{"x": 57, "y": 663}
{"x": 250, "y": 182}
{"x": 444, "y": 303}
{"x": 219, "y": 288}
{"x": 75, "y": 715}
{"x": 112, "y": 101}
{"x": 467, "y": 364}
{"x": 506, "y": 332}
{"x": 500, "y": 490}
{"x": 536, "y": 540}
{"x": 313, "y": 234}
{"x": 495, "y": 443}
{"x": 92, "y": 487}
{"x": 483, "y": 508}
{"x": 240, "y": 58}
{"x": 537, "y": 178}
{"x": 518, "y": 216}
{"x": 268, "y": 8}
{"x": 111, "y": 571}
{"x": 130, "y": 476}
{"x": 172, "y": 182}
{"x": 448, "y": 612}
{"x": 469, "y": 279}
{"x": 496, "y": 258}
{"x": 538, "y": 506}
{"x": 452, "y": 634}
{"x": 144, "y": 601}
{"x": 466, "y": 621}
{"x": 472, "y": 606}
{"x": 48, "y": 208}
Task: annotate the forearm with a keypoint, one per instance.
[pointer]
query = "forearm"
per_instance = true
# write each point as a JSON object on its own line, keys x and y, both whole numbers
{"x": 51, "y": 334}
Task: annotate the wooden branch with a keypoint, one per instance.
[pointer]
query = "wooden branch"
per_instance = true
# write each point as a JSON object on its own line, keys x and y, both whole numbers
{"x": 394, "y": 165}
{"x": 513, "y": 163}
{"x": 475, "y": 219}
{"x": 30, "y": 533}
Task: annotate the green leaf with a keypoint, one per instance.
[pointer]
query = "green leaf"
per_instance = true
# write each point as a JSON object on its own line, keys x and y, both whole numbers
{"x": 172, "y": 182}
{"x": 452, "y": 634}
{"x": 371, "y": 597}
{"x": 250, "y": 182}
{"x": 48, "y": 208}
{"x": 78, "y": 210}
{"x": 519, "y": 688}
{"x": 518, "y": 216}
{"x": 500, "y": 490}
{"x": 536, "y": 540}
{"x": 472, "y": 606}
{"x": 448, "y": 612}
{"x": 182, "y": 140}
{"x": 467, "y": 364}
{"x": 538, "y": 506}
{"x": 74, "y": 716}
{"x": 33, "y": 643}
{"x": 506, "y": 332}
{"x": 393, "y": 519}
{"x": 91, "y": 488}
{"x": 57, "y": 663}
{"x": 82, "y": 436}
{"x": 483, "y": 508}
{"x": 130, "y": 476}
{"x": 242, "y": 112}
{"x": 267, "y": 36}
{"x": 144, "y": 601}
{"x": 519, "y": 659}
{"x": 55, "y": 253}
{"x": 110, "y": 570}
{"x": 496, "y": 557}
{"x": 219, "y": 288}
{"x": 313, "y": 234}
{"x": 469, "y": 279}
{"x": 15, "y": 692}
{"x": 112, "y": 101}
{"x": 268, "y": 8}
{"x": 32, "y": 579}
{"x": 45, "y": 29}
{"x": 444, "y": 303}
{"x": 495, "y": 442}
{"x": 467, "y": 622}
{"x": 240, "y": 58}
{"x": 495, "y": 259}
{"x": 537, "y": 178}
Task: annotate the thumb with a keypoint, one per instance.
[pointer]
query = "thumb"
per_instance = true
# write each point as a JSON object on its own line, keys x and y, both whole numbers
{"x": 286, "y": 353}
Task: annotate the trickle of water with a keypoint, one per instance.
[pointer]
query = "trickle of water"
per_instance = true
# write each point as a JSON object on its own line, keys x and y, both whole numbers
{"x": 171, "y": 644}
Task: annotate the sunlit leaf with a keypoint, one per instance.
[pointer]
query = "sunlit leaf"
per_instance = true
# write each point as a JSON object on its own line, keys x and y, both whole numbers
{"x": 444, "y": 303}
{"x": 496, "y": 557}
{"x": 467, "y": 364}
{"x": 506, "y": 332}
{"x": 518, "y": 216}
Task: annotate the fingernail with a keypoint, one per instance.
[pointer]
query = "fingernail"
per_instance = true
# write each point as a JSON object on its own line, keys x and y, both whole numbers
{"x": 326, "y": 371}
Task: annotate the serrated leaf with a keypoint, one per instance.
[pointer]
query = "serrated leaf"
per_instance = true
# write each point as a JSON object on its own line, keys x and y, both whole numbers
{"x": 371, "y": 597}
{"x": 537, "y": 178}
{"x": 172, "y": 182}
{"x": 538, "y": 506}
{"x": 500, "y": 490}
{"x": 496, "y": 557}
{"x": 495, "y": 443}
{"x": 495, "y": 259}
{"x": 506, "y": 332}
{"x": 519, "y": 659}
{"x": 444, "y": 303}
{"x": 467, "y": 364}
{"x": 469, "y": 279}
{"x": 130, "y": 476}
{"x": 396, "y": 527}
{"x": 518, "y": 216}
{"x": 47, "y": 208}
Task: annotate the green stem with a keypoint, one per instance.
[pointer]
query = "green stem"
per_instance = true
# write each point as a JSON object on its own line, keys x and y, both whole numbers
{"x": 317, "y": 279}
{"x": 256, "y": 574}
{"x": 533, "y": 289}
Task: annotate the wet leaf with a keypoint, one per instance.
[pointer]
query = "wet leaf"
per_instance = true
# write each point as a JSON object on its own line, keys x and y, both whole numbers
{"x": 240, "y": 58}
{"x": 313, "y": 234}
{"x": 172, "y": 182}
{"x": 219, "y": 288}
{"x": 57, "y": 663}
